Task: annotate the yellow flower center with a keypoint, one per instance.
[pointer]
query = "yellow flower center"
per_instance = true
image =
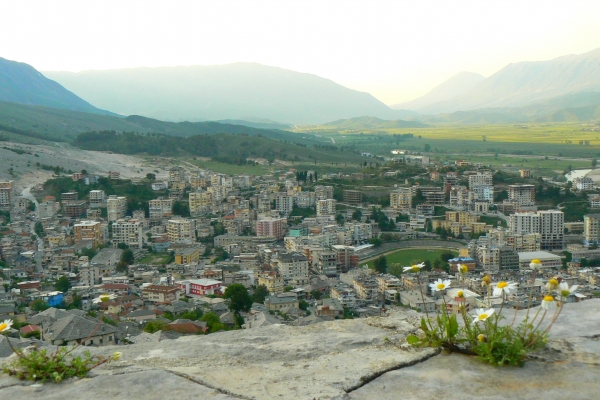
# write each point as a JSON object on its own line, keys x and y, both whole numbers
{"x": 441, "y": 286}
{"x": 460, "y": 294}
{"x": 548, "y": 298}
{"x": 565, "y": 293}
{"x": 502, "y": 285}
{"x": 415, "y": 268}
{"x": 486, "y": 280}
{"x": 481, "y": 337}
{"x": 536, "y": 261}
{"x": 3, "y": 326}
{"x": 553, "y": 282}
{"x": 482, "y": 316}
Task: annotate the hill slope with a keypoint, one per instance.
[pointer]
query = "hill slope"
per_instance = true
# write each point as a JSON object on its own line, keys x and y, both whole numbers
{"x": 21, "y": 83}
{"x": 453, "y": 87}
{"x": 231, "y": 91}
{"x": 373, "y": 123}
{"x": 527, "y": 82}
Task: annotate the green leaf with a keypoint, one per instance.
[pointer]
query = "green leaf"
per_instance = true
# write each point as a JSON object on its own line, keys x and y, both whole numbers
{"x": 452, "y": 326}
{"x": 413, "y": 340}
{"x": 424, "y": 325}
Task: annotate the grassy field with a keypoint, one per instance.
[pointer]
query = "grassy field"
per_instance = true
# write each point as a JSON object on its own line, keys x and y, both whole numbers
{"x": 232, "y": 169}
{"x": 408, "y": 257}
{"x": 156, "y": 259}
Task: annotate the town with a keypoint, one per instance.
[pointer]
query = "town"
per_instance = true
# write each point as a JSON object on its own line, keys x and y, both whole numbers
{"x": 155, "y": 260}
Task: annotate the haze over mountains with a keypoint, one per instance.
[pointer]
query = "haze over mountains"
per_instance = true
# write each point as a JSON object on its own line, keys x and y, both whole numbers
{"x": 224, "y": 92}
{"x": 515, "y": 85}
{"x": 21, "y": 83}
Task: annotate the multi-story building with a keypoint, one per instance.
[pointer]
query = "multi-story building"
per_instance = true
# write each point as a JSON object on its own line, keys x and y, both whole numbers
{"x": 97, "y": 198}
{"x": 284, "y": 204}
{"x": 461, "y": 197}
{"x": 272, "y": 280}
{"x": 128, "y": 231}
{"x": 353, "y": 197}
{"x": 326, "y": 263}
{"x": 347, "y": 256}
{"x": 550, "y": 224}
{"x": 305, "y": 199}
{"x": 480, "y": 178}
{"x": 200, "y": 287}
{"x": 323, "y": 192}
{"x": 160, "y": 209}
{"x": 187, "y": 255}
{"x": 326, "y": 207}
{"x": 176, "y": 175}
{"x": 591, "y": 232}
{"x": 584, "y": 183}
{"x": 6, "y": 194}
{"x": 88, "y": 230}
{"x": 181, "y": 230}
{"x": 161, "y": 294}
{"x": 275, "y": 227}
{"x": 294, "y": 268}
{"x": 116, "y": 207}
{"x": 401, "y": 199}
{"x": 462, "y": 217}
{"x": 48, "y": 209}
{"x": 75, "y": 208}
{"x": 522, "y": 195}
{"x": 200, "y": 202}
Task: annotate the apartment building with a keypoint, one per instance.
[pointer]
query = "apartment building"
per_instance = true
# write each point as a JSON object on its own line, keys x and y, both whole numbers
{"x": 272, "y": 280}
{"x": 323, "y": 192}
{"x": 97, "y": 198}
{"x": 200, "y": 202}
{"x": 294, "y": 268}
{"x": 353, "y": 197}
{"x": 326, "y": 207}
{"x": 75, "y": 208}
{"x": 6, "y": 194}
{"x": 275, "y": 227}
{"x": 284, "y": 204}
{"x": 480, "y": 178}
{"x": 181, "y": 230}
{"x": 161, "y": 294}
{"x": 159, "y": 209}
{"x": 128, "y": 231}
{"x": 116, "y": 207}
{"x": 522, "y": 195}
{"x": 176, "y": 175}
{"x": 550, "y": 224}
{"x": 591, "y": 232}
{"x": 88, "y": 230}
{"x": 401, "y": 199}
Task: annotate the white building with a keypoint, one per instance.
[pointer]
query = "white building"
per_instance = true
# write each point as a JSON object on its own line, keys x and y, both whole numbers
{"x": 129, "y": 232}
{"x": 326, "y": 207}
{"x": 116, "y": 207}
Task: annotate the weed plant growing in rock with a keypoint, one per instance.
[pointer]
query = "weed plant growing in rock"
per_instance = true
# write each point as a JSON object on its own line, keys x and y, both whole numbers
{"x": 35, "y": 364}
{"x": 482, "y": 333}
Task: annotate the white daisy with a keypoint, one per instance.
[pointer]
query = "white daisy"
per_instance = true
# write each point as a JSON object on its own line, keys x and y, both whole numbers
{"x": 548, "y": 303}
{"x": 463, "y": 269}
{"x": 4, "y": 326}
{"x": 552, "y": 284}
{"x": 439, "y": 285}
{"x": 504, "y": 287}
{"x": 565, "y": 291}
{"x": 483, "y": 314}
{"x": 535, "y": 264}
{"x": 414, "y": 268}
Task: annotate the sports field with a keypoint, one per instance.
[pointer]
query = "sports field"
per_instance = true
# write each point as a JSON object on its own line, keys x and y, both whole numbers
{"x": 408, "y": 257}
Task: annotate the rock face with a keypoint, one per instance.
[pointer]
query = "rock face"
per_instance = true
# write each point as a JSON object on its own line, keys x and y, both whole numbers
{"x": 344, "y": 359}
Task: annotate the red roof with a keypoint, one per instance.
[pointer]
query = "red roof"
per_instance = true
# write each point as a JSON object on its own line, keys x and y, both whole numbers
{"x": 29, "y": 328}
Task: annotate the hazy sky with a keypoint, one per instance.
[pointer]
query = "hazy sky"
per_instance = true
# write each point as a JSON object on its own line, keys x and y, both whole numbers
{"x": 396, "y": 50}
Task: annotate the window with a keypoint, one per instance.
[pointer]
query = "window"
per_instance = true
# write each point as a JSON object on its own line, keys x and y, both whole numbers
{"x": 110, "y": 339}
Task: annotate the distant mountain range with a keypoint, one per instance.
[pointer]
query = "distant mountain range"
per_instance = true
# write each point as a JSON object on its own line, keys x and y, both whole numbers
{"x": 21, "y": 83}
{"x": 516, "y": 85}
{"x": 373, "y": 123}
{"x": 224, "y": 92}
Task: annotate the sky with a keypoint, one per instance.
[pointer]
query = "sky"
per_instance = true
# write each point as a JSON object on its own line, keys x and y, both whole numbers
{"x": 395, "y": 50}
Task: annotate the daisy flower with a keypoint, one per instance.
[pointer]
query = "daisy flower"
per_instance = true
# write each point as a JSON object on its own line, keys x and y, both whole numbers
{"x": 552, "y": 284}
{"x": 565, "y": 291}
{"x": 504, "y": 287}
{"x": 117, "y": 355}
{"x": 486, "y": 281}
{"x": 439, "y": 285}
{"x": 483, "y": 314}
{"x": 463, "y": 269}
{"x": 414, "y": 268}
{"x": 548, "y": 303}
{"x": 535, "y": 264}
{"x": 460, "y": 294}
{"x": 4, "y": 326}
{"x": 481, "y": 337}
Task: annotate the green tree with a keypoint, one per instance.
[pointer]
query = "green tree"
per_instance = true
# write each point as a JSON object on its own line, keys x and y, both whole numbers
{"x": 193, "y": 315}
{"x": 128, "y": 257}
{"x": 154, "y": 326}
{"x": 375, "y": 241}
{"x": 288, "y": 288}
{"x": 260, "y": 294}
{"x": 381, "y": 264}
{"x": 303, "y": 305}
{"x": 395, "y": 269}
{"x": 357, "y": 215}
{"x": 239, "y": 298}
{"x": 151, "y": 177}
{"x": 316, "y": 294}
{"x": 38, "y": 305}
{"x": 62, "y": 284}
{"x": 213, "y": 322}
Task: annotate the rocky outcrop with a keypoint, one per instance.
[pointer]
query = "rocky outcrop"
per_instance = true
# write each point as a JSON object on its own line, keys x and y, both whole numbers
{"x": 362, "y": 359}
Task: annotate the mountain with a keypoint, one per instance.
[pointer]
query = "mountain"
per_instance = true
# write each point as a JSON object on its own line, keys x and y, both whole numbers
{"x": 20, "y": 121}
{"x": 450, "y": 89}
{"x": 21, "y": 83}
{"x": 528, "y": 82}
{"x": 359, "y": 123}
{"x": 256, "y": 123}
{"x": 223, "y": 92}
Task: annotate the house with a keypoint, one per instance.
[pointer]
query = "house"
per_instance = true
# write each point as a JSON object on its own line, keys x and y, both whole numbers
{"x": 186, "y": 326}
{"x": 74, "y": 330}
{"x": 330, "y": 308}
{"x": 161, "y": 293}
{"x": 200, "y": 287}
{"x": 280, "y": 301}
{"x": 53, "y": 299}
{"x": 140, "y": 315}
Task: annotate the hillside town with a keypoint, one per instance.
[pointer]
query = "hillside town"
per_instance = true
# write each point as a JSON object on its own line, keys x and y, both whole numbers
{"x": 86, "y": 266}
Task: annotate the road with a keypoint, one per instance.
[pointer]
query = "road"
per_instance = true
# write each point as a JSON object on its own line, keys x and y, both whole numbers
{"x": 26, "y": 193}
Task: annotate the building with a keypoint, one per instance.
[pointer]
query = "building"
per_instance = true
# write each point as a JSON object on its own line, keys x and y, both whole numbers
{"x": 160, "y": 293}
{"x": 97, "y": 198}
{"x": 6, "y": 195}
{"x": 326, "y": 207}
{"x": 591, "y": 232}
{"x": 75, "y": 208}
{"x": 181, "y": 230}
{"x": 353, "y": 197}
{"x": 548, "y": 260}
{"x": 159, "y": 209}
{"x": 200, "y": 202}
{"x": 323, "y": 192}
{"x": 200, "y": 287}
{"x": 550, "y": 224}
{"x": 275, "y": 227}
{"x": 88, "y": 230}
{"x": 326, "y": 263}
{"x": 75, "y": 330}
{"x": 525, "y": 173}
{"x": 282, "y": 300}
{"x": 272, "y": 280}
{"x": 116, "y": 207}
{"x": 294, "y": 268}
{"x": 480, "y": 178}
{"x": 401, "y": 199}
{"x": 128, "y": 231}
{"x": 48, "y": 209}
{"x": 187, "y": 255}
{"x": 584, "y": 183}
{"x": 284, "y": 204}
{"x": 176, "y": 175}
{"x": 522, "y": 195}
